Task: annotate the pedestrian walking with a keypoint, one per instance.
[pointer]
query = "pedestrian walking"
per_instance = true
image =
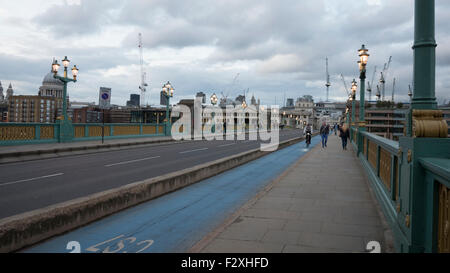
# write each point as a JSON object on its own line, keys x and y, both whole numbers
{"x": 324, "y": 132}
{"x": 335, "y": 129}
{"x": 344, "y": 134}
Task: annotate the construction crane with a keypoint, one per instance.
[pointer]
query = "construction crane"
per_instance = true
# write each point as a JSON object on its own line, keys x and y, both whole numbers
{"x": 143, "y": 84}
{"x": 393, "y": 89}
{"x": 224, "y": 98}
{"x": 327, "y": 84}
{"x": 383, "y": 77}
{"x": 370, "y": 84}
{"x": 378, "y": 92}
{"x": 345, "y": 85}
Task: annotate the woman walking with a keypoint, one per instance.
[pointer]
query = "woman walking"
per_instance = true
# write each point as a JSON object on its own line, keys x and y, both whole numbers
{"x": 344, "y": 134}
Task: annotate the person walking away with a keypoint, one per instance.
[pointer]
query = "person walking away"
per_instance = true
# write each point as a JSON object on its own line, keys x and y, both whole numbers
{"x": 335, "y": 128}
{"x": 344, "y": 134}
{"x": 324, "y": 131}
{"x": 307, "y": 132}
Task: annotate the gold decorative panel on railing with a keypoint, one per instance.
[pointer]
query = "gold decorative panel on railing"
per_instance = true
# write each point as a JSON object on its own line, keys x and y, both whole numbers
{"x": 96, "y": 131}
{"x": 149, "y": 129}
{"x": 47, "y": 132}
{"x": 444, "y": 220}
{"x": 396, "y": 178}
{"x": 373, "y": 154}
{"x": 79, "y": 131}
{"x": 17, "y": 133}
{"x": 385, "y": 168}
{"x": 365, "y": 146}
{"x": 126, "y": 130}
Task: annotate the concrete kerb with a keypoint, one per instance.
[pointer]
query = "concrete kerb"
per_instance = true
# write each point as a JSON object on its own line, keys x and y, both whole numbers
{"x": 22, "y": 230}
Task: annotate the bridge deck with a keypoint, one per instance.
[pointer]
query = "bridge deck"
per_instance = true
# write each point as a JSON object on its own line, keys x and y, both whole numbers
{"x": 321, "y": 204}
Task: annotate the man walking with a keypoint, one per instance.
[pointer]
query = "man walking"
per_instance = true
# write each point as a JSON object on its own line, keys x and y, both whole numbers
{"x": 324, "y": 131}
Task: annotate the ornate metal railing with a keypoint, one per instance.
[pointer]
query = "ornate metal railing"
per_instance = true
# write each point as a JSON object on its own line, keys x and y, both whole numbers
{"x": 22, "y": 133}
{"x": 380, "y": 156}
{"x": 437, "y": 180}
{"x": 30, "y": 133}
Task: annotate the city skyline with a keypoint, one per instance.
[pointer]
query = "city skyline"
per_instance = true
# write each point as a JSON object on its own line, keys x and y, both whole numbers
{"x": 202, "y": 48}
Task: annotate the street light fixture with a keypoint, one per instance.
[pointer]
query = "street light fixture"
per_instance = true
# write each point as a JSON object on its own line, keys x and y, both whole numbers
{"x": 66, "y": 130}
{"x": 354, "y": 87}
{"x": 214, "y": 99}
{"x": 168, "y": 93}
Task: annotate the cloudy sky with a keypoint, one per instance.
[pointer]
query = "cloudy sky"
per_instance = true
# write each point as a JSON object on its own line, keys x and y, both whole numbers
{"x": 277, "y": 47}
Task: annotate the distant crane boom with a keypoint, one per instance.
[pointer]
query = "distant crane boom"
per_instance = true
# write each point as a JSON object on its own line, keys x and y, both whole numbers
{"x": 393, "y": 89}
{"x": 370, "y": 84}
{"x": 384, "y": 76}
{"x": 143, "y": 84}
{"x": 345, "y": 85}
{"x": 327, "y": 84}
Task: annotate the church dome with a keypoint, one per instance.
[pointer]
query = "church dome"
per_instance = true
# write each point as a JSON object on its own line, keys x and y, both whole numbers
{"x": 50, "y": 80}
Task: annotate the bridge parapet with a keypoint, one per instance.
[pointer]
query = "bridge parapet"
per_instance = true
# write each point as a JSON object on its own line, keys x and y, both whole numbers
{"x": 34, "y": 133}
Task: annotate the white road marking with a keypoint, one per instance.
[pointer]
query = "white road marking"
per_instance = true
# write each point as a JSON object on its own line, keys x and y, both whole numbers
{"x": 31, "y": 179}
{"x": 132, "y": 161}
{"x": 190, "y": 151}
{"x": 224, "y": 145}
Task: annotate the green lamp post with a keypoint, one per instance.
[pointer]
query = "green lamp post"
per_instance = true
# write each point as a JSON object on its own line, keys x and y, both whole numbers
{"x": 363, "y": 58}
{"x": 354, "y": 87}
{"x": 66, "y": 128}
{"x": 362, "y": 63}
{"x": 214, "y": 101}
{"x": 168, "y": 93}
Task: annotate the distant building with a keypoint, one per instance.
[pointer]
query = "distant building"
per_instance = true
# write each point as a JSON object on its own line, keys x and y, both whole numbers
{"x": 2, "y": 97}
{"x": 33, "y": 109}
{"x": 387, "y": 123}
{"x": 134, "y": 100}
{"x": 290, "y": 103}
{"x": 43, "y": 108}
{"x": 202, "y": 96}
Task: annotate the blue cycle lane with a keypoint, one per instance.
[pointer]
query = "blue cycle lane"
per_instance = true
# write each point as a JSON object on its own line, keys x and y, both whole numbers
{"x": 176, "y": 221}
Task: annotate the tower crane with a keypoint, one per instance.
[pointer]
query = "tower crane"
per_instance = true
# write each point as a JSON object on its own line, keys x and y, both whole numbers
{"x": 225, "y": 97}
{"x": 345, "y": 85}
{"x": 143, "y": 84}
{"x": 370, "y": 84}
{"x": 327, "y": 84}
{"x": 393, "y": 89}
{"x": 383, "y": 77}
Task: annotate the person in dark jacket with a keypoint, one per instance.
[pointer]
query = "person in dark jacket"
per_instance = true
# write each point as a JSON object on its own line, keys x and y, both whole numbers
{"x": 344, "y": 134}
{"x": 324, "y": 131}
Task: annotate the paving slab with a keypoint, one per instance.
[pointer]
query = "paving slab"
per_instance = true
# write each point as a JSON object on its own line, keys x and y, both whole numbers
{"x": 321, "y": 204}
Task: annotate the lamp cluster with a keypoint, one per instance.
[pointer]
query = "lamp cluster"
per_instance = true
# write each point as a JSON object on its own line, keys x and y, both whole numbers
{"x": 168, "y": 89}
{"x": 65, "y": 62}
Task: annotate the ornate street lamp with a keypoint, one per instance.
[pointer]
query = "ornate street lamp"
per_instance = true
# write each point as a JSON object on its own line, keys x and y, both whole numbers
{"x": 66, "y": 130}
{"x": 214, "y": 100}
{"x": 168, "y": 93}
{"x": 354, "y": 87}
{"x": 362, "y": 63}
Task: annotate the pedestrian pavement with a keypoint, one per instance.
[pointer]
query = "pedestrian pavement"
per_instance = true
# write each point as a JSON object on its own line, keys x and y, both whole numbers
{"x": 321, "y": 204}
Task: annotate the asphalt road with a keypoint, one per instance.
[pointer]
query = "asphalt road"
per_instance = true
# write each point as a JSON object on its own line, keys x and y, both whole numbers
{"x": 32, "y": 185}
{"x": 178, "y": 220}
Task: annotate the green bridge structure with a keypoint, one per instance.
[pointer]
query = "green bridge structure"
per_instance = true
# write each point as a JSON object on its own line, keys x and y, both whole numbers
{"x": 410, "y": 177}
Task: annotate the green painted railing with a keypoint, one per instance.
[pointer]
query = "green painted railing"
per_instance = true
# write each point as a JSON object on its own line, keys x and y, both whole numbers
{"x": 413, "y": 191}
{"x": 34, "y": 133}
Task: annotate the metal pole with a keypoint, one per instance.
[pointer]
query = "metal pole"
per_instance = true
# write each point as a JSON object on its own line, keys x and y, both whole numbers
{"x": 167, "y": 115}
{"x": 362, "y": 78}
{"x": 65, "y": 100}
{"x": 424, "y": 56}
{"x": 103, "y": 127}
